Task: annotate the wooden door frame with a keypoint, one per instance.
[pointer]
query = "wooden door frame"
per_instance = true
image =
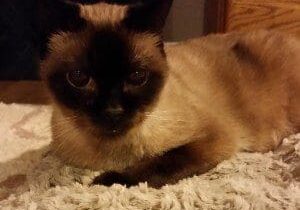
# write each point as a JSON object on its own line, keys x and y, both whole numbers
{"x": 215, "y": 16}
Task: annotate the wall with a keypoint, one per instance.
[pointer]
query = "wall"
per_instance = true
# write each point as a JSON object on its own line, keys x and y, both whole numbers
{"x": 185, "y": 20}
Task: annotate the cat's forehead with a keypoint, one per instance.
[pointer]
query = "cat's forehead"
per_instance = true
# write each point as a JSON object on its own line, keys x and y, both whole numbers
{"x": 105, "y": 39}
{"x": 102, "y": 13}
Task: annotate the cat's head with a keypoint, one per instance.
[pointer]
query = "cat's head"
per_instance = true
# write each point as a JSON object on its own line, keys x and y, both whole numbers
{"x": 108, "y": 73}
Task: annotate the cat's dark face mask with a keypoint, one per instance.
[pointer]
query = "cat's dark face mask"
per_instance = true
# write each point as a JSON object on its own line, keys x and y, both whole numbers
{"x": 108, "y": 75}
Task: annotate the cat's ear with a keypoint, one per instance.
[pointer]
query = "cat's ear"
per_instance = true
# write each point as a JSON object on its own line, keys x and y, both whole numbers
{"x": 148, "y": 15}
{"x": 54, "y": 16}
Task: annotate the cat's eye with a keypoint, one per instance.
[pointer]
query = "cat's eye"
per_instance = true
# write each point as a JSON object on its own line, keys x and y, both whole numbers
{"x": 138, "y": 78}
{"x": 77, "y": 78}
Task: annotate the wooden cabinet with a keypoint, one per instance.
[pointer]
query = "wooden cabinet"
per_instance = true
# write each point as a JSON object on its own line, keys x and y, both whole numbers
{"x": 243, "y": 15}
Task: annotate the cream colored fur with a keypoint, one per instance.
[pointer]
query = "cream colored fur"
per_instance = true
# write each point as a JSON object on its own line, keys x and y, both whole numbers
{"x": 223, "y": 94}
{"x": 206, "y": 81}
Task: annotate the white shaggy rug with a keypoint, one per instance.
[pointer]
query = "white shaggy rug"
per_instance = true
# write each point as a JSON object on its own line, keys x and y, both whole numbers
{"x": 32, "y": 179}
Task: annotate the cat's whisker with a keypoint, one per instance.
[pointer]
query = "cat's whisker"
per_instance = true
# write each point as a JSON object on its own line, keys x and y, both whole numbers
{"x": 59, "y": 123}
{"x": 166, "y": 119}
{"x": 60, "y": 131}
{"x": 63, "y": 132}
{"x": 58, "y": 135}
{"x": 172, "y": 113}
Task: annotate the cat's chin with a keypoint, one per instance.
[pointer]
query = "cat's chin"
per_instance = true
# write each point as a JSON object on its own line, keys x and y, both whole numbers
{"x": 110, "y": 133}
{"x": 113, "y": 133}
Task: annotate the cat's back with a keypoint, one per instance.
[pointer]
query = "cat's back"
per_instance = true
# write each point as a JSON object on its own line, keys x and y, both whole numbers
{"x": 238, "y": 61}
{"x": 251, "y": 78}
{"x": 262, "y": 47}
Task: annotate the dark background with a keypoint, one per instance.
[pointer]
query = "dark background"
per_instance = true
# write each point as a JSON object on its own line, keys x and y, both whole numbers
{"x": 19, "y": 41}
{"x": 23, "y": 40}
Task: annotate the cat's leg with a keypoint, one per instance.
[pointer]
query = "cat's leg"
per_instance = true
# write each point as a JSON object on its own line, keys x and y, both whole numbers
{"x": 166, "y": 169}
{"x": 185, "y": 161}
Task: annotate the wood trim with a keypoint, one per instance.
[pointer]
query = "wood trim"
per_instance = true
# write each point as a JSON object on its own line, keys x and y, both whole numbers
{"x": 215, "y": 16}
{"x": 245, "y": 15}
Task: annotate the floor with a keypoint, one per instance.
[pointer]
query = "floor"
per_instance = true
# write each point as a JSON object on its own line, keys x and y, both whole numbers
{"x": 24, "y": 92}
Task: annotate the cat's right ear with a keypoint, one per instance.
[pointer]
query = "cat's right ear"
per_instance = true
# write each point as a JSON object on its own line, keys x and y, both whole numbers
{"x": 148, "y": 15}
{"x": 54, "y": 16}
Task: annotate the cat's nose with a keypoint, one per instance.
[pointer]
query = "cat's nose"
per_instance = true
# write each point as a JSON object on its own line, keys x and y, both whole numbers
{"x": 114, "y": 112}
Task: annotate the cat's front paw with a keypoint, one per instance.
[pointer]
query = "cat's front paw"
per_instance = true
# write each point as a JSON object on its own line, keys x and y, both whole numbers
{"x": 112, "y": 177}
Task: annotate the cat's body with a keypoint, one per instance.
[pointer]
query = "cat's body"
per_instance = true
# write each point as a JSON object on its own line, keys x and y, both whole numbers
{"x": 219, "y": 95}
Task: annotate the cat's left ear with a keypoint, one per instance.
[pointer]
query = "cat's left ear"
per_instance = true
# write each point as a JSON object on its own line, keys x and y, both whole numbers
{"x": 54, "y": 16}
{"x": 149, "y": 16}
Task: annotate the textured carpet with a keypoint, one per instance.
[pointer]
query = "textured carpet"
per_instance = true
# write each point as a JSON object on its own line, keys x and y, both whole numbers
{"x": 31, "y": 179}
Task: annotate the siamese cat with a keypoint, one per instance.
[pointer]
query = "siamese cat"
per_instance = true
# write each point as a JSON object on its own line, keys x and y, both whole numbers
{"x": 147, "y": 112}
